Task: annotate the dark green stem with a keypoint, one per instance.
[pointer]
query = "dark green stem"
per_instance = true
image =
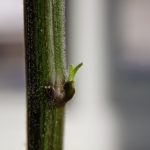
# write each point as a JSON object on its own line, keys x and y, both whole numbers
{"x": 44, "y": 41}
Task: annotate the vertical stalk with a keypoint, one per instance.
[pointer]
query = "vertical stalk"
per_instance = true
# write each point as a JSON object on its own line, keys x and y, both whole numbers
{"x": 44, "y": 42}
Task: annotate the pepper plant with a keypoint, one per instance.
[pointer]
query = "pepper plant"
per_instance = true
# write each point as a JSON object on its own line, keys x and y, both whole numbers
{"x": 49, "y": 86}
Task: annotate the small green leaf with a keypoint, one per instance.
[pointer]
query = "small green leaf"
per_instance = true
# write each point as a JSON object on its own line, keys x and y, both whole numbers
{"x": 72, "y": 72}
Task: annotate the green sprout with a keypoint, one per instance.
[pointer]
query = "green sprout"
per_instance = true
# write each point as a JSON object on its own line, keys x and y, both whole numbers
{"x": 72, "y": 72}
{"x": 69, "y": 84}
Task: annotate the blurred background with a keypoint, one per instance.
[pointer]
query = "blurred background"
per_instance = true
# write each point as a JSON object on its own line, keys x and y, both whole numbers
{"x": 110, "y": 110}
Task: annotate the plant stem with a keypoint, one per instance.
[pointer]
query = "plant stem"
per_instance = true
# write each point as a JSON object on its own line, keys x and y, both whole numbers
{"x": 44, "y": 42}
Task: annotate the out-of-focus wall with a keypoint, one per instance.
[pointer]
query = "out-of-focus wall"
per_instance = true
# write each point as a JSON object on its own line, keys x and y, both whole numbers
{"x": 131, "y": 39}
{"x": 92, "y": 123}
{"x": 12, "y": 76}
{"x": 11, "y": 21}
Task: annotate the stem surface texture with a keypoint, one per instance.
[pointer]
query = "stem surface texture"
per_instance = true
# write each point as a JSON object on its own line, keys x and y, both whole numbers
{"x": 45, "y": 44}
